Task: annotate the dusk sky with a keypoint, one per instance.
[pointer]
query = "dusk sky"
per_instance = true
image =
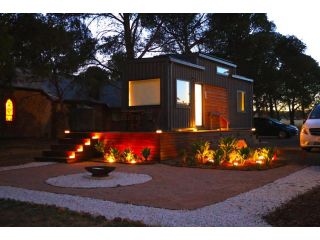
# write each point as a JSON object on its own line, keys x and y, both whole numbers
{"x": 302, "y": 26}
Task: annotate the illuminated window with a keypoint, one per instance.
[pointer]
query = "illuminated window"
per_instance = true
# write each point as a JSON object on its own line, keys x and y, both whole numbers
{"x": 198, "y": 104}
{"x": 144, "y": 92}
{"x": 183, "y": 92}
{"x": 222, "y": 71}
{"x": 9, "y": 110}
{"x": 241, "y": 100}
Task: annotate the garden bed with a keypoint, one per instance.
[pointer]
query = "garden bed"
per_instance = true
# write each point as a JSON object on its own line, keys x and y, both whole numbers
{"x": 179, "y": 163}
{"x": 302, "y": 211}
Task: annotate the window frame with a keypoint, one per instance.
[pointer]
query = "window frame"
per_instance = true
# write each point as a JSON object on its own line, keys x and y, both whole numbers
{"x": 181, "y": 105}
{"x": 239, "y": 110}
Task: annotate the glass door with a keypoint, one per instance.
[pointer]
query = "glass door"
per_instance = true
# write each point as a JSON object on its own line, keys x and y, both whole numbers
{"x": 198, "y": 104}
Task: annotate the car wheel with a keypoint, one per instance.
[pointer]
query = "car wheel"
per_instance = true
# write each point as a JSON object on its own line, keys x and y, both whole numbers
{"x": 282, "y": 134}
{"x": 306, "y": 149}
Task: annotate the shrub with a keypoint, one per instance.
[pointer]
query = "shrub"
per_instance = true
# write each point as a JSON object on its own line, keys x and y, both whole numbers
{"x": 227, "y": 145}
{"x": 217, "y": 158}
{"x": 244, "y": 154}
{"x": 202, "y": 152}
{"x": 264, "y": 154}
{"x": 100, "y": 146}
{"x": 146, "y": 153}
{"x": 128, "y": 155}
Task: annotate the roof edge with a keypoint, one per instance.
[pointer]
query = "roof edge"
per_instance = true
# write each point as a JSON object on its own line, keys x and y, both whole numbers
{"x": 178, "y": 61}
{"x": 242, "y": 78}
{"x": 217, "y": 60}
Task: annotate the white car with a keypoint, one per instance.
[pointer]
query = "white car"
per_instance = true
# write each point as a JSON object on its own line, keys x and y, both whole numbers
{"x": 310, "y": 131}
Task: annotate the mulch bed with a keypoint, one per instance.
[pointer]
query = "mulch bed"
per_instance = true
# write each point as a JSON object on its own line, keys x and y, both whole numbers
{"x": 302, "y": 211}
{"x": 274, "y": 164}
{"x": 21, "y": 214}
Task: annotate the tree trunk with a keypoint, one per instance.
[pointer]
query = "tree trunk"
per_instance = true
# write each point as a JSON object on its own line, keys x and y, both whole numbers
{"x": 271, "y": 107}
{"x": 128, "y": 36}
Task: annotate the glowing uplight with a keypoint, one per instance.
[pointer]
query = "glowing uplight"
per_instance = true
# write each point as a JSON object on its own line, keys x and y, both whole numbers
{"x": 72, "y": 155}
{"x": 259, "y": 161}
{"x": 80, "y": 148}
{"x": 195, "y": 129}
{"x": 66, "y": 131}
{"x": 110, "y": 159}
{"x": 235, "y": 164}
{"x": 133, "y": 161}
{"x": 159, "y": 131}
{"x": 87, "y": 142}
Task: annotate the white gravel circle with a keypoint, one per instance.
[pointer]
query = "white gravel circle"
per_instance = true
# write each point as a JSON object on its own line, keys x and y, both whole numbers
{"x": 84, "y": 180}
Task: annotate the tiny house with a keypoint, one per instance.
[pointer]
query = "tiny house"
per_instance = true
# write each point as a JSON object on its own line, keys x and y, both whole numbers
{"x": 181, "y": 92}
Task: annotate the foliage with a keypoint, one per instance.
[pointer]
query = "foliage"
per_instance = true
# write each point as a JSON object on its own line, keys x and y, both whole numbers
{"x": 218, "y": 157}
{"x": 244, "y": 154}
{"x": 100, "y": 146}
{"x": 128, "y": 155}
{"x": 227, "y": 145}
{"x": 146, "y": 153}
{"x": 264, "y": 154}
{"x": 113, "y": 154}
{"x": 202, "y": 152}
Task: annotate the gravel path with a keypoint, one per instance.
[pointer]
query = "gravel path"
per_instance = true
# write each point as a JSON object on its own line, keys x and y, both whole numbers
{"x": 84, "y": 180}
{"x": 245, "y": 209}
{"x": 27, "y": 165}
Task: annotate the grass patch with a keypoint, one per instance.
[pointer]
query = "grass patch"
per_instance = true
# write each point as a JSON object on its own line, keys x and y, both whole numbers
{"x": 302, "y": 211}
{"x": 21, "y": 214}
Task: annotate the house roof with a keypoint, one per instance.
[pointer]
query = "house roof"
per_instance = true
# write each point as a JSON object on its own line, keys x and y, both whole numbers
{"x": 216, "y": 59}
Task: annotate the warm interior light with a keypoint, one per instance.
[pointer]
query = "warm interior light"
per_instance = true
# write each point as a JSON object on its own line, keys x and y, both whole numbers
{"x": 242, "y": 101}
{"x": 198, "y": 104}
{"x": 80, "y": 148}
{"x": 66, "y": 131}
{"x": 194, "y": 129}
{"x": 72, "y": 155}
{"x": 159, "y": 131}
{"x": 9, "y": 110}
{"x": 87, "y": 142}
{"x": 144, "y": 92}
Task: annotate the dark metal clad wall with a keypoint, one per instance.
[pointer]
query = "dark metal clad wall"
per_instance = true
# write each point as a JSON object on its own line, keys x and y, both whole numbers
{"x": 183, "y": 117}
{"x": 238, "y": 119}
{"x": 141, "y": 70}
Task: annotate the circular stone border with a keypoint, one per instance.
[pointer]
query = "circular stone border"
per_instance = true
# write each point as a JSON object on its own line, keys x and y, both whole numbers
{"x": 85, "y": 180}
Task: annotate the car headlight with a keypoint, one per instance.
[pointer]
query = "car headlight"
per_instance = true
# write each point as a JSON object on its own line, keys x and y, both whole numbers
{"x": 305, "y": 130}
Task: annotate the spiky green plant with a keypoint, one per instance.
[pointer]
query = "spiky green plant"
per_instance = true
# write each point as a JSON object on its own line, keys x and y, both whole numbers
{"x": 244, "y": 154}
{"x": 217, "y": 158}
{"x": 100, "y": 146}
{"x": 146, "y": 153}
{"x": 227, "y": 145}
{"x": 202, "y": 151}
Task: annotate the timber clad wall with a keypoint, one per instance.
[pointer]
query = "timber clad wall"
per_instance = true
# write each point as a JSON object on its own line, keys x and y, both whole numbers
{"x": 216, "y": 101}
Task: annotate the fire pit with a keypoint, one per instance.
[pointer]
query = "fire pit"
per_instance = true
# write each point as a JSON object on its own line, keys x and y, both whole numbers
{"x": 100, "y": 171}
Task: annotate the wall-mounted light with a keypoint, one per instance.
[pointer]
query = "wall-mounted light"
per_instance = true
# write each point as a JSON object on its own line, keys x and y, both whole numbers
{"x": 66, "y": 131}
{"x": 159, "y": 131}
{"x": 72, "y": 155}
{"x": 87, "y": 142}
{"x": 80, "y": 148}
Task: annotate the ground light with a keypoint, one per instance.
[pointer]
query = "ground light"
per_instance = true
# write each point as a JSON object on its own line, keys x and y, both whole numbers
{"x": 87, "y": 142}
{"x": 66, "y": 131}
{"x": 72, "y": 155}
{"x": 80, "y": 148}
{"x": 159, "y": 131}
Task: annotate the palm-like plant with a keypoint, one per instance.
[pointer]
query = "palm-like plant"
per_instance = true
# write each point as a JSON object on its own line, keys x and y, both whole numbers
{"x": 227, "y": 145}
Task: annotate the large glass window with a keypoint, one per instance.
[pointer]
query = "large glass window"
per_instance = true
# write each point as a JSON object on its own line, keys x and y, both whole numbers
{"x": 183, "y": 92}
{"x": 222, "y": 71}
{"x": 144, "y": 92}
{"x": 241, "y": 100}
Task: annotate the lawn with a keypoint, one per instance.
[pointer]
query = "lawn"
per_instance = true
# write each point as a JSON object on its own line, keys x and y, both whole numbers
{"x": 302, "y": 211}
{"x": 21, "y": 214}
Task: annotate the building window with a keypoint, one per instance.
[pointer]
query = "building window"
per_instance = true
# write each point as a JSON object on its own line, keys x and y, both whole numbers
{"x": 144, "y": 92}
{"x": 183, "y": 93}
{"x": 241, "y": 100}
{"x": 222, "y": 71}
{"x": 9, "y": 110}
